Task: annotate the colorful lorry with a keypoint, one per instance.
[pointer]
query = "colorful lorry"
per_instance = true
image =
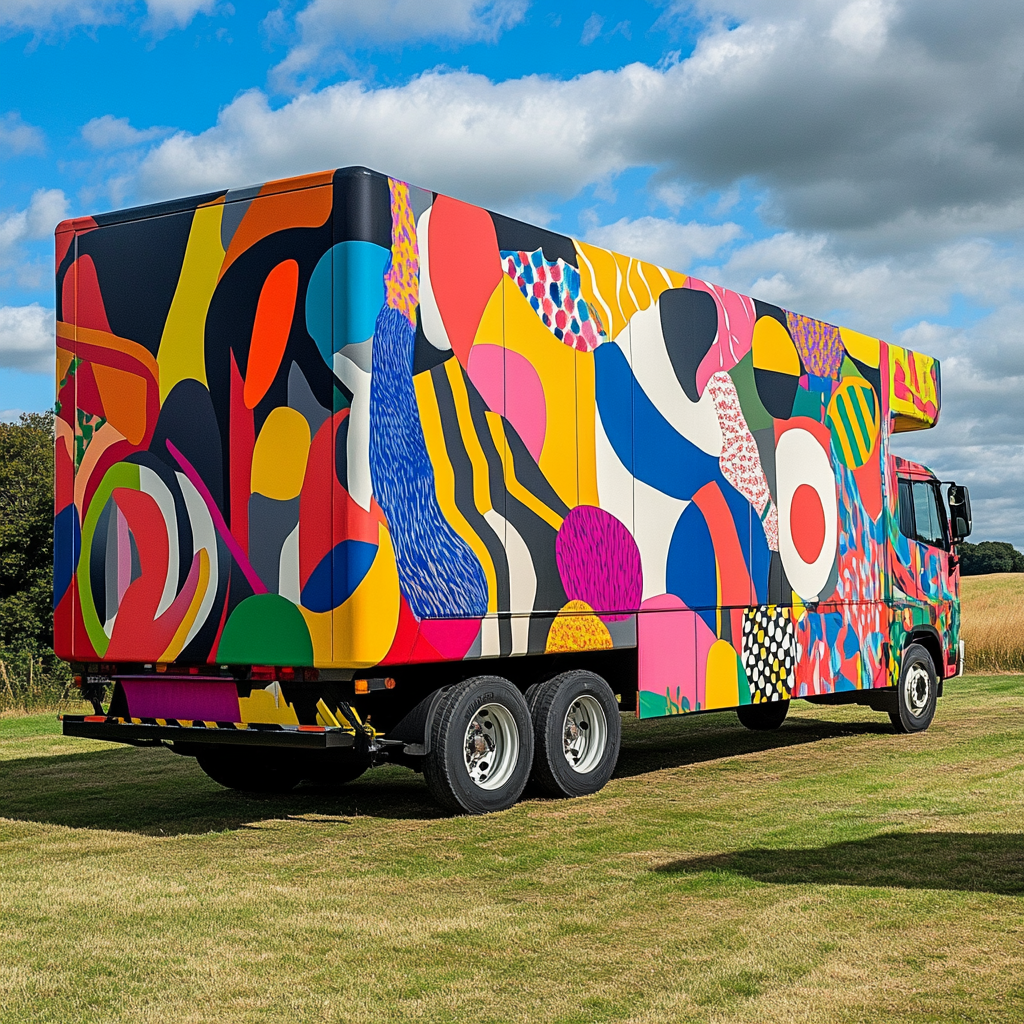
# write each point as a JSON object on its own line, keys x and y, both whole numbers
{"x": 348, "y": 471}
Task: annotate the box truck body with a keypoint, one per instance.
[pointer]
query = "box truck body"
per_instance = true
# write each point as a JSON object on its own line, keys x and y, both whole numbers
{"x": 328, "y": 447}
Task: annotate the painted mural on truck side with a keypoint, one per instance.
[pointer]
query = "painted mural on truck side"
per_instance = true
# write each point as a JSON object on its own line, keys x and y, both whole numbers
{"x": 343, "y": 421}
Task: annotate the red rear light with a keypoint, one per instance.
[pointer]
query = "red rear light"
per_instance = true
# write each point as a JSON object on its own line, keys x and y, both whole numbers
{"x": 286, "y": 674}
{"x": 263, "y": 672}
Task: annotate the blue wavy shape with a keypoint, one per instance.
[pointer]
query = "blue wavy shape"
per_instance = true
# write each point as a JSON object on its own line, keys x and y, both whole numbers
{"x": 439, "y": 574}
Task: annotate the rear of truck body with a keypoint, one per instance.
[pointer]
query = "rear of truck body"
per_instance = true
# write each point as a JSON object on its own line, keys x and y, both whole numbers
{"x": 328, "y": 447}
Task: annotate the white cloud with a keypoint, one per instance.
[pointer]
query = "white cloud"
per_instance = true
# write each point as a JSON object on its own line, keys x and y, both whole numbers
{"x": 45, "y": 211}
{"x": 55, "y": 17}
{"x": 591, "y": 29}
{"x": 325, "y": 30}
{"x": 109, "y": 132}
{"x": 663, "y": 241}
{"x": 17, "y": 137}
{"x": 27, "y": 338}
{"x": 863, "y": 120}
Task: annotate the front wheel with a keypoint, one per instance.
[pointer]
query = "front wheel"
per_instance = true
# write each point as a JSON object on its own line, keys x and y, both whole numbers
{"x": 917, "y": 691}
{"x": 481, "y": 747}
{"x": 763, "y": 717}
{"x": 577, "y": 731}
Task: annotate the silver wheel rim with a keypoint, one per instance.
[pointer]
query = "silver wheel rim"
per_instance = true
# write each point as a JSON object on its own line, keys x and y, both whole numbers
{"x": 491, "y": 746}
{"x": 584, "y": 734}
{"x": 916, "y": 689}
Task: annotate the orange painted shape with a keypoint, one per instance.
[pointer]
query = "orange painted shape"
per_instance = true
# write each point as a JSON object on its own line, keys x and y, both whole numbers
{"x": 302, "y": 206}
{"x": 732, "y": 566}
{"x": 124, "y": 400}
{"x": 270, "y": 330}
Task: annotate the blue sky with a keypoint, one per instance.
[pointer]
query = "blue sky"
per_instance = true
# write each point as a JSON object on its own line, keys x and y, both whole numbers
{"x": 857, "y": 160}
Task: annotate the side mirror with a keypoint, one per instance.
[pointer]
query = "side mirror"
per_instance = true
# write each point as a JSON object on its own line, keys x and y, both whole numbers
{"x": 959, "y": 512}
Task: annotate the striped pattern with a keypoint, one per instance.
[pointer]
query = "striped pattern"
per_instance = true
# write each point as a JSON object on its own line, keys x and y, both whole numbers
{"x": 853, "y": 420}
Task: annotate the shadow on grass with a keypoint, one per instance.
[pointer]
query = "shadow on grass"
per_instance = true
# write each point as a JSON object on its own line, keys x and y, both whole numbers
{"x": 960, "y": 861}
{"x": 692, "y": 739}
{"x": 156, "y": 792}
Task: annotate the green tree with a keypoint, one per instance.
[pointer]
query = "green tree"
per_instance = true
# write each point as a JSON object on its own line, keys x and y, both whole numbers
{"x": 989, "y": 556}
{"x": 26, "y": 534}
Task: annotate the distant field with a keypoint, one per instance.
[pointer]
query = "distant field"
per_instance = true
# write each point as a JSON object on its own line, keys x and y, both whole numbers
{"x": 992, "y": 609}
{"x": 831, "y": 872}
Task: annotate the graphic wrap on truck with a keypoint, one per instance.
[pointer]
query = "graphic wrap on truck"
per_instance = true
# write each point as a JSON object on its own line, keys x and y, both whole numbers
{"x": 341, "y": 421}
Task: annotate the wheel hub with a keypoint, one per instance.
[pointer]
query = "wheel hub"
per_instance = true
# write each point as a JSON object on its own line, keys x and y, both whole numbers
{"x": 916, "y": 688}
{"x": 584, "y": 734}
{"x": 491, "y": 746}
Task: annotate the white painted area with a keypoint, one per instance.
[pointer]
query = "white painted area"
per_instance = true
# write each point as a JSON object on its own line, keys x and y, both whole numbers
{"x": 614, "y": 481}
{"x": 655, "y": 518}
{"x": 204, "y": 535}
{"x": 430, "y": 316}
{"x": 151, "y": 484}
{"x": 288, "y": 568}
{"x": 357, "y": 380}
{"x": 490, "y": 637}
{"x": 800, "y": 459}
{"x": 522, "y": 579}
{"x": 649, "y": 359}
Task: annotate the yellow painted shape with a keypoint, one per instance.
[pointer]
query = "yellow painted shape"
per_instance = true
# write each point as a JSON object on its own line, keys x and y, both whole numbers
{"x": 599, "y": 285}
{"x": 555, "y": 364}
{"x": 721, "y": 690}
{"x": 773, "y": 348}
{"x": 908, "y": 399}
{"x": 320, "y": 626}
{"x": 324, "y": 716}
{"x": 491, "y": 329}
{"x": 577, "y": 628}
{"x": 174, "y": 648}
{"x": 444, "y": 479}
{"x": 862, "y": 347}
{"x": 279, "y": 458}
{"x": 260, "y": 706}
{"x": 481, "y": 473}
{"x": 64, "y": 358}
{"x": 182, "y": 352}
{"x": 365, "y": 624}
{"x": 512, "y": 484}
{"x": 586, "y": 437}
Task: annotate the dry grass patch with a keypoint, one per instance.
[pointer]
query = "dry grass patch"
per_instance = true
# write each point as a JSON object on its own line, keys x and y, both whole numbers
{"x": 992, "y": 617}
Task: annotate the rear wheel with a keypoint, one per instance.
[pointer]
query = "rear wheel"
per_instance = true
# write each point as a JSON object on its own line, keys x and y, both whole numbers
{"x": 577, "y": 731}
{"x": 251, "y": 770}
{"x": 330, "y": 772}
{"x": 481, "y": 747}
{"x": 763, "y": 717}
{"x": 916, "y": 693}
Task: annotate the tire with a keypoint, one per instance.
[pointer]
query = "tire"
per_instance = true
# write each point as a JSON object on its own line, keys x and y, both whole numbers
{"x": 576, "y": 733}
{"x": 763, "y": 717}
{"x": 481, "y": 747}
{"x": 251, "y": 771}
{"x": 917, "y": 691}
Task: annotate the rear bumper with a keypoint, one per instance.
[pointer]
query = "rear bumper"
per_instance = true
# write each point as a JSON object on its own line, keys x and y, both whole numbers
{"x": 155, "y": 732}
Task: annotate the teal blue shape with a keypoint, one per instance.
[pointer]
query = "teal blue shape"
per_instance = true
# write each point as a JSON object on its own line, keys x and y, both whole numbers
{"x": 353, "y": 302}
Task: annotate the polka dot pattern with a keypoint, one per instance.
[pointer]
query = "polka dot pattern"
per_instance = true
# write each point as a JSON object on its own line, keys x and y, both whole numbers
{"x": 769, "y": 650}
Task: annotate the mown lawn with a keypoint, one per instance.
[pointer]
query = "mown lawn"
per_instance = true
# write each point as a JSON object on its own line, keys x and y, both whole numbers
{"x": 832, "y": 871}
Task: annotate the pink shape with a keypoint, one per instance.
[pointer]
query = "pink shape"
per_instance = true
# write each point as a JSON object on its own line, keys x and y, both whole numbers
{"x": 599, "y": 562}
{"x": 736, "y": 318}
{"x": 451, "y": 638}
{"x": 204, "y": 701}
{"x": 511, "y": 387}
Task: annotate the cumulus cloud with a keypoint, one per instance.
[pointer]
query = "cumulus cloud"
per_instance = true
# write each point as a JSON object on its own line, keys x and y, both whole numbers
{"x": 664, "y": 241}
{"x": 859, "y": 119}
{"x": 54, "y": 17}
{"x": 17, "y": 137}
{"x": 109, "y": 132}
{"x": 325, "y": 30}
{"x": 45, "y": 211}
{"x": 27, "y": 338}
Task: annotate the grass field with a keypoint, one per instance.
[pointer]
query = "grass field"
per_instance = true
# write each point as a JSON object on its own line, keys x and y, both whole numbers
{"x": 832, "y": 872}
{"x": 993, "y": 621}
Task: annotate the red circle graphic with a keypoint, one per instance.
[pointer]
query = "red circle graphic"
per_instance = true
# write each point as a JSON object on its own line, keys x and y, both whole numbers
{"x": 807, "y": 523}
